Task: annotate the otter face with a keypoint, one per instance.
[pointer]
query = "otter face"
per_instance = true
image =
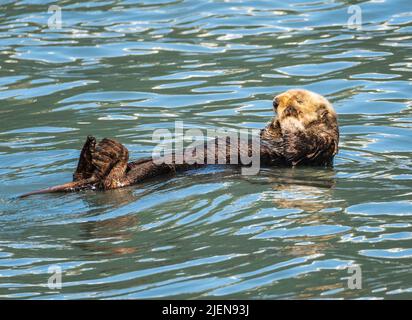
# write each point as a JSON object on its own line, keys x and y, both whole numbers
{"x": 298, "y": 108}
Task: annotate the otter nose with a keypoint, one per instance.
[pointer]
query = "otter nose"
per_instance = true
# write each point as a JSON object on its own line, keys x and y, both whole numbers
{"x": 275, "y": 103}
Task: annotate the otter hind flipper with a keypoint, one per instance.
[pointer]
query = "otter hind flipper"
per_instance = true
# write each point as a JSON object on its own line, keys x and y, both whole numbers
{"x": 85, "y": 167}
{"x": 111, "y": 162}
{"x": 107, "y": 154}
{"x": 101, "y": 165}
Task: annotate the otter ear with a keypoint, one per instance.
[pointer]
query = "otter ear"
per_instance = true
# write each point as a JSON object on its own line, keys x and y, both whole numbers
{"x": 323, "y": 112}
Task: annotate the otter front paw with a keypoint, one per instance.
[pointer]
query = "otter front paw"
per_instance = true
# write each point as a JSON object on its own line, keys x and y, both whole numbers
{"x": 108, "y": 154}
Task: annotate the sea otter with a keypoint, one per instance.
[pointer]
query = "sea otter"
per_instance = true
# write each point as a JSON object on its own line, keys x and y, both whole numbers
{"x": 304, "y": 131}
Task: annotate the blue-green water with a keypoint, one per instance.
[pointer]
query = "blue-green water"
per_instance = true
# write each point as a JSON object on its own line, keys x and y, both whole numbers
{"x": 123, "y": 68}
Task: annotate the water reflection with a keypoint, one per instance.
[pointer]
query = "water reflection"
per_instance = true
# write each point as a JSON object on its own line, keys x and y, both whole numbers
{"x": 109, "y": 237}
{"x": 308, "y": 190}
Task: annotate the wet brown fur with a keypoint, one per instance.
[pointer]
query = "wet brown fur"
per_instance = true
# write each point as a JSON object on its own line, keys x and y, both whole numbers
{"x": 304, "y": 132}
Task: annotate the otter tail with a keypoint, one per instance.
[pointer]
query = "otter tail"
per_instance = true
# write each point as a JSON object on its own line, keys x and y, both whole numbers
{"x": 67, "y": 187}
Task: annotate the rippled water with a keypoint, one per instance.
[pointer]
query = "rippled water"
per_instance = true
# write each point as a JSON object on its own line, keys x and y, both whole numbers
{"x": 122, "y": 68}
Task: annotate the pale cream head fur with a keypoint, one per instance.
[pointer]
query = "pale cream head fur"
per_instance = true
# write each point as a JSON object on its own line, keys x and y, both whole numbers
{"x": 298, "y": 107}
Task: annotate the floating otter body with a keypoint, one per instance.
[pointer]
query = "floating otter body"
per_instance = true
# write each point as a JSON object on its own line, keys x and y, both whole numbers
{"x": 304, "y": 132}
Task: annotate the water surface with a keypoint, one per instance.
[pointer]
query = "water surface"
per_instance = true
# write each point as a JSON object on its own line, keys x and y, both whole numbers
{"x": 123, "y": 68}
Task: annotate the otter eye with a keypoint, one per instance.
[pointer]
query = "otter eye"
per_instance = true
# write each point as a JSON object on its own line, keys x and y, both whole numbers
{"x": 275, "y": 103}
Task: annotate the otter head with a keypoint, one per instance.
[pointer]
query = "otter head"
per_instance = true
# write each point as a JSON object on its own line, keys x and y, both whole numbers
{"x": 298, "y": 108}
